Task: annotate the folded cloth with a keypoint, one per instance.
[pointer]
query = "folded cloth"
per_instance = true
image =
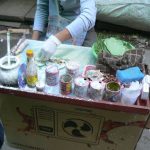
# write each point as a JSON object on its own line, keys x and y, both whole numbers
{"x": 129, "y": 75}
{"x": 130, "y": 58}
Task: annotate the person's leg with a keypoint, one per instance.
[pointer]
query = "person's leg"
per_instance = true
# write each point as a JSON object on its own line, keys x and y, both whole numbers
{"x": 90, "y": 38}
{"x": 1, "y": 135}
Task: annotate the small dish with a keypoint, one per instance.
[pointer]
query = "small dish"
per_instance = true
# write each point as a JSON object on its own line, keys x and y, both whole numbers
{"x": 40, "y": 86}
{"x": 91, "y": 73}
{"x": 87, "y": 68}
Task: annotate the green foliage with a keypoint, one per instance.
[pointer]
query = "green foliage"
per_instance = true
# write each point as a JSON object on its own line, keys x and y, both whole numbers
{"x": 99, "y": 44}
{"x": 113, "y": 86}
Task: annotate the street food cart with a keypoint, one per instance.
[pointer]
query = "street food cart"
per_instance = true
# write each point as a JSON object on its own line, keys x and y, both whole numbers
{"x": 49, "y": 120}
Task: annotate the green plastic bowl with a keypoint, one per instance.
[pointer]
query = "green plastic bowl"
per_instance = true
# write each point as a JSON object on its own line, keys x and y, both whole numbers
{"x": 93, "y": 51}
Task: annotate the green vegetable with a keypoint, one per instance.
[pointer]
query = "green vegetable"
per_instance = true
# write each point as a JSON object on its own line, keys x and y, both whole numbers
{"x": 112, "y": 44}
{"x": 113, "y": 86}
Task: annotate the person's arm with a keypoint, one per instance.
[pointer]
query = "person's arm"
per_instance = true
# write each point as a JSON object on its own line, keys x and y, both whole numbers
{"x": 36, "y": 35}
{"x": 63, "y": 35}
{"x": 41, "y": 18}
{"x": 85, "y": 21}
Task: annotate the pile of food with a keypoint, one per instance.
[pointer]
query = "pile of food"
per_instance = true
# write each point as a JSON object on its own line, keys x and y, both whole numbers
{"x": 111, "y": 40}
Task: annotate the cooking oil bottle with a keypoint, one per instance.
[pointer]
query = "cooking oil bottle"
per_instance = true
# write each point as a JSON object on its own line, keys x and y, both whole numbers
{"x": 31, "y": 70}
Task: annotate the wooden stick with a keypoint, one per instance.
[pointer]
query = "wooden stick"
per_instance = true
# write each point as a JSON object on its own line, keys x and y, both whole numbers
{"x": 3, "y": 31}
{"x": 26, "y": 31}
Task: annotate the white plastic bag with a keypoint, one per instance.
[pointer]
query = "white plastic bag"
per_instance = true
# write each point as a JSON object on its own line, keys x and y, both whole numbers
{"x": 131, "y": 13}
{"x": 130, "y": 95}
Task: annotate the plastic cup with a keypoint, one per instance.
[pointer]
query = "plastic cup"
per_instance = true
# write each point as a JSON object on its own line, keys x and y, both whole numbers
{"x": 128, "y": 98}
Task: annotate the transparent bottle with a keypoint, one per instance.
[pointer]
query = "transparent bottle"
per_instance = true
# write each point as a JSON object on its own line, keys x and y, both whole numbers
{"x": 31, "y": 70}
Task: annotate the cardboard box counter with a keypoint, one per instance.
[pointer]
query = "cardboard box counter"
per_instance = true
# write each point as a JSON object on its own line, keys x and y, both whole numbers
{"x": 47, "y": 122}
{"x": 40, "y": 121}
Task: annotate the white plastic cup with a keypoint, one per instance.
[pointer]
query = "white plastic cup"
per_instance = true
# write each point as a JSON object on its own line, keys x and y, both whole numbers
{"x": 129, "y": 98}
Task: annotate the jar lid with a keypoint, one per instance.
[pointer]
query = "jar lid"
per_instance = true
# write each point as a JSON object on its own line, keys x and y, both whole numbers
{"x": 29, "y": 53}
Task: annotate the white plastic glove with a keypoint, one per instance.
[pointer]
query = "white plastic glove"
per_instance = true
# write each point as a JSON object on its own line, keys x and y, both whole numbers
{"x": 49, "y": 48}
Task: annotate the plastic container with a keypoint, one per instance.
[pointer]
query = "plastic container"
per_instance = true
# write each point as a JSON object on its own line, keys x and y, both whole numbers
{"x": 31, "y": 71}
{"x": 112, "y": 91}
{"x": 129, "y": 97}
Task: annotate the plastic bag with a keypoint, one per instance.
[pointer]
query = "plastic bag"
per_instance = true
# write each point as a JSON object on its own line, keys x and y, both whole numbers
{"x": 134, "y": 14}
{"x": 130, "y": 95}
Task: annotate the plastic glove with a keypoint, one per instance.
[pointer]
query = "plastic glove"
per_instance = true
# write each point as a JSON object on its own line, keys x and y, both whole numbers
{"x": 49, "y": 48}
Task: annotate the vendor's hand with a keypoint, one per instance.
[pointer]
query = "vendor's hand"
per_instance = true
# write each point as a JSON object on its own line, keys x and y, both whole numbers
{"x": 49, "y": 48}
